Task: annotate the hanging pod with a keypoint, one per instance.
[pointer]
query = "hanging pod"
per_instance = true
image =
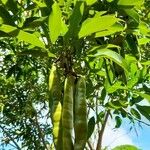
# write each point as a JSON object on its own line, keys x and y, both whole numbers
{"x": 80, "y": 109}
{"x": 55, "y": 106}
{"x": 67, "y": 115}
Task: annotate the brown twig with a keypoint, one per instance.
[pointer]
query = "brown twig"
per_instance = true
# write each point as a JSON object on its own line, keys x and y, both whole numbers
{"x": 101, "y": 132}
{"x": 41, "y": 136}
{"x": 12, "y": 139}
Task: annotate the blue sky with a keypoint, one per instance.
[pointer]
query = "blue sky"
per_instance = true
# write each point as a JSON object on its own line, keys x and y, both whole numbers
{"x": 137, "y": 136}
{"x": 113, "y": 137}
{"x": 122, "y": 135}
{"x": 143, "y": 140}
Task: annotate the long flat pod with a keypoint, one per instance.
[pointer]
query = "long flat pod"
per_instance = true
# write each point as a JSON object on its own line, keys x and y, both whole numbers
{"x": 55, "y": 106}
{"x": 67, "y": 115}
{"x": 57, "y": 124}
{"x": 80, "y": 123}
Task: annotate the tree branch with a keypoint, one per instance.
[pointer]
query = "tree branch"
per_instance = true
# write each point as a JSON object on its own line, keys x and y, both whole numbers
{"x": 41, "y": 136}
{"x": 12, "y": 139}
{"x": 101, "y": 132}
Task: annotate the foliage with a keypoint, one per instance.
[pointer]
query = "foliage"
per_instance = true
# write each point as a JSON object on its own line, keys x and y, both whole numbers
{"x": 125, "y": 147}
{"x": 107, "y": 41}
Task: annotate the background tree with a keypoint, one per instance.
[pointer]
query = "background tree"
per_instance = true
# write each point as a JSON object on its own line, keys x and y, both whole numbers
{"x": 107, "y": 41}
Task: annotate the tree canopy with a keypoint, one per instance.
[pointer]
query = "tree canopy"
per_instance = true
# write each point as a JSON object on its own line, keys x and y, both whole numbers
{"x": 106, "y": 41}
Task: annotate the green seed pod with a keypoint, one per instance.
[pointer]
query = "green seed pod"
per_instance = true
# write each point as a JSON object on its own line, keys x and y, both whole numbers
{"x": 56, "y": 107}
{"x": 67, "y": 115}
{"x": 80, "y": 122}
{"x": 57, "y": 124}
{"x": 54, "y": 84}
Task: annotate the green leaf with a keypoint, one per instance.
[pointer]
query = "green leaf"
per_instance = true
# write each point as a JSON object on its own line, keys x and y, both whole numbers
{"x": 118, "y": 122}
{"x": 11, "y": 5}
{"x": 61, "y": 2}
{"x": 107, "y": 53}
{"x": 117, "y": 27}
{"x": 133, "y": 45}
{"x": 114, "y": 87}
{"x": 91, "y": 126}
{"x": 64, "y": 28}
{"x": 117, "y": 104}
{"x": 97, "y": 24}
{"x": 24, "y": 36}
{"x": 75, "y": 19}
{"x": 1, "y": 107}
{"x": 146, "y": 96}
{"x": 135, "y": 113}
{"x": 100, "y": 117}
{"x": 55, "y": 22}
{"x": 144, "y": 29}
{"x": 135, "y": 99}
{"x": 34, "y": 53}
{"x": 144, "y": 110}
{"x": 30, "y": 38}
{"x": 7, "y": 28}
{"x": 40, "y": 3}
{"x": 132, "y": 82}
{"x": 6, "y": 17}
{"x": 146, "y": 63}
{"x": 33, "y": 22}
{"x": 130, "y": 2}
{"x": 90, "y": 2}
{"x": 143, "y": 41}
{"x": 125, "y": 147}
{"x": 133, "y": 14}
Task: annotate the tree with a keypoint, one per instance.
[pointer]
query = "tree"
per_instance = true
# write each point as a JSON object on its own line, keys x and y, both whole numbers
{"x": 106, "y": 41}
{"x": 125, "y": 147}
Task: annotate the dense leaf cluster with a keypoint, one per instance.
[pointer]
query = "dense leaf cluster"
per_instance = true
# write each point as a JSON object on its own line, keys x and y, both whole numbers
{"x": 105, "y": 40}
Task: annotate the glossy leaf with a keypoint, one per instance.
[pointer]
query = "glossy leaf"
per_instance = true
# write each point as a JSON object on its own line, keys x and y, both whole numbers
{"x": 143, "y": 41}
{"x": 39, "y": 3}
{"x": 146, "y": 63}
{"x": 34, "y": 53}
{"x": 22, "y": 35}
{"x": 114, "y": 87}
{"x": 133, "y": 14}
{"x": 117, "y": 104}
{"x": 90, "y": 2}
{"x": 5, "y": 16}
{"x": 33, "y": 22}
{"x": 132, "y": 82}
{"x": 126, "y": 147}
{"x": 64, "y": 28}
{"x": 91, "y": 126}
{"x": 55, "y": 22}
{"x": 118, "y": 122}
{"x": 144, "y": 110}
{"x": 30, "y": 38}
{"x": 117, "y": 27}
{"x": 130, "y": 2}
{"x": 135, "y": 113}
{"x": 144, "y": 28}
{"x": 75, "y": 19}
{"x": 107, "y": 53}
{"x": 11, "y": 5}
{"x": 133, "y": 45}
{"x": 97, "y": 24}
{"x": 146, "y": 96}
